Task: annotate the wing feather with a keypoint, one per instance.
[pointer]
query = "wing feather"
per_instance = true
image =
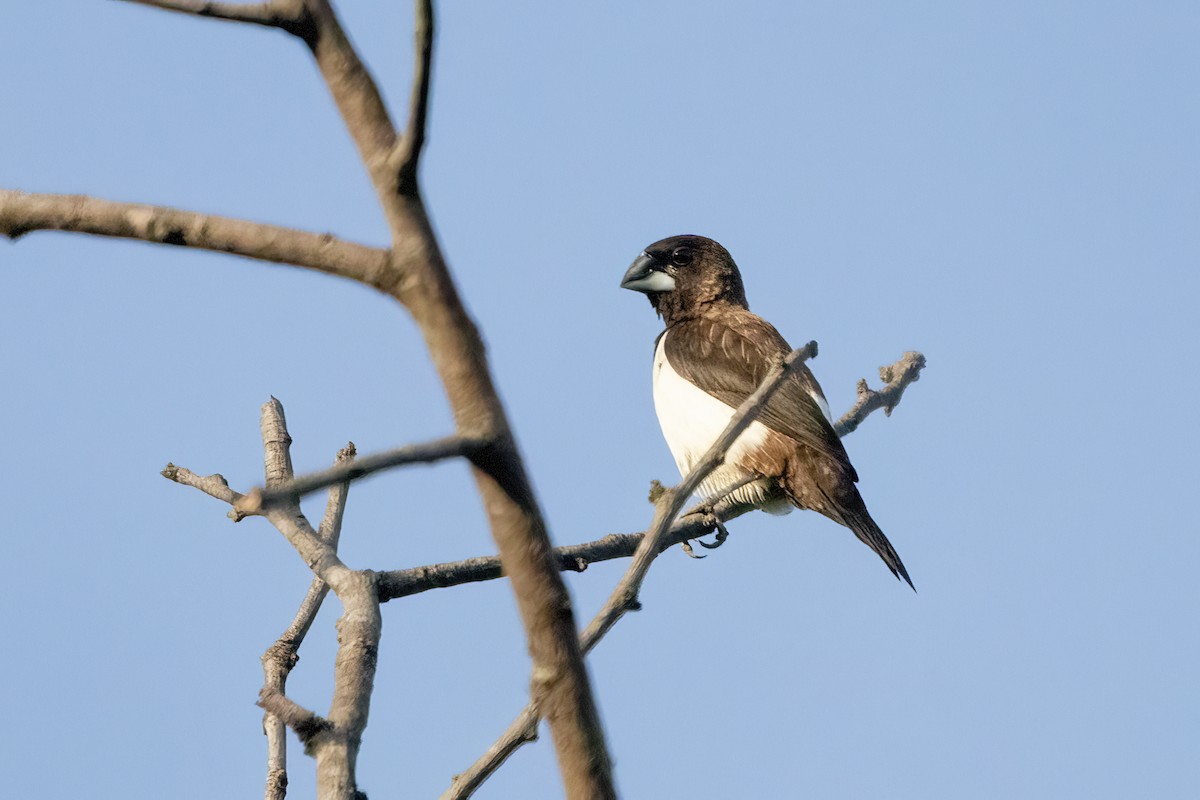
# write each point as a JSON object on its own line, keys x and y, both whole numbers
{"x": 729, "y": 354}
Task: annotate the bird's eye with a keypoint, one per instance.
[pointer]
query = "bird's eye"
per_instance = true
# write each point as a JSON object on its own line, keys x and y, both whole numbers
{"x": 681, "y": 256}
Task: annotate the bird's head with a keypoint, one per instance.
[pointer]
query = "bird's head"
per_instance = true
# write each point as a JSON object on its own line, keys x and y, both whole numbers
{"x": 682, "y": 275}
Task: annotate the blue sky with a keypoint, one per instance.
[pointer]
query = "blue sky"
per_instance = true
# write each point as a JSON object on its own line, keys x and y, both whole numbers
{"x": 1012, "y": 189}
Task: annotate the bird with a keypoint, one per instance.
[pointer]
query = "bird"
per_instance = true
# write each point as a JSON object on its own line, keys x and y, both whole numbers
{"x": 712, "y": 354}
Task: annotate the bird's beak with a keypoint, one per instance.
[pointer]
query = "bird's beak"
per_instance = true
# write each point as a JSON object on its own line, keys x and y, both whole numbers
{"x": 643, "y": 277}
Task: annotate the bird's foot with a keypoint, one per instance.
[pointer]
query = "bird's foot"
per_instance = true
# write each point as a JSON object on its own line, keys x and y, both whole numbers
{"x": 722, "y": 535}
{"x": 706, "y": 511}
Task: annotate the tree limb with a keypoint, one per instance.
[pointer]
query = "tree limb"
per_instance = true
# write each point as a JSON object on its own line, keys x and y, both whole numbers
{"x": 22, "y": 212}
{"x": 354, "y": 91}
{"x": 419, "y": 278}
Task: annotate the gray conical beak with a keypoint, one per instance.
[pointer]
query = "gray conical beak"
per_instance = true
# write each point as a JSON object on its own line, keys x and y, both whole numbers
{"x": 642, "y": 276}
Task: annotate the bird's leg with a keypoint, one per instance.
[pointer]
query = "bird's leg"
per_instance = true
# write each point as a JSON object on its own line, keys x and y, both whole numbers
{"x": 709, "y": 510}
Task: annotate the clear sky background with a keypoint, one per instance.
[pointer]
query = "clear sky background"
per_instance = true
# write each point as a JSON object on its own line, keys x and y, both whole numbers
{"x": 1012, "y": 188}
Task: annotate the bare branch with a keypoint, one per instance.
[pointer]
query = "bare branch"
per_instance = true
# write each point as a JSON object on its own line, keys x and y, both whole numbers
{"x": 896, "y": 379}
{"x": 570, "y": 558}
{"x": 282, "y": 656}
{"x": 408, "y": 150}
{"x": 330, "y": 529}
{"x": 212, "y": 485}
{"x": 334, "y": 741}
{"x": 22, "y": 212}
{"x": 624, "y": 597}
{"x": 523, "y": 730}
{"x": 277, "y": 444}
{"x": 425, "y": 453}
{"x": 277, "y": 14}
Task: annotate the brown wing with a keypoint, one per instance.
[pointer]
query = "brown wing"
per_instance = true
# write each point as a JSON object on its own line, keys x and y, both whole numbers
{"x": 729, "y": 354}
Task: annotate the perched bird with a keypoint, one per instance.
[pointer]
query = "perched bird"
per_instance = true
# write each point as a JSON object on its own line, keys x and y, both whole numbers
{"x": 713, "y": 354}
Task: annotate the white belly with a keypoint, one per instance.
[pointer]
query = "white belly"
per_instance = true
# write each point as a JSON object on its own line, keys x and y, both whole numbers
{"x": 691, "y": 420}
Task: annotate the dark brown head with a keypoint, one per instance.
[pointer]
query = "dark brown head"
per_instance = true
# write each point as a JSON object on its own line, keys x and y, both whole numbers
{"x": 685, "y": 275}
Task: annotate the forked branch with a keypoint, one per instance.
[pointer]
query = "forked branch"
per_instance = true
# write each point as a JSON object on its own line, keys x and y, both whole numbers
{"x": 333, "y": 740}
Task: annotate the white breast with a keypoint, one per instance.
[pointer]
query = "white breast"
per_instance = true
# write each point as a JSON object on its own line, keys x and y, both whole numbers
{"x": 691, "y": 420}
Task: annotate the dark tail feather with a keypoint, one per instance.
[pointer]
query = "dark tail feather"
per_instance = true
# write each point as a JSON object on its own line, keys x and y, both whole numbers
{"x": 844, "y": 505}
{"x": 869, "y": 534}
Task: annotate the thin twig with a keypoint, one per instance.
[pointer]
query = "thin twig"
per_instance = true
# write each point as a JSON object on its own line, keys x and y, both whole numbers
{"x": 258, "y": 500}
{"x": 570, "y": 558}
{"x": 624, "y": 597}
{"x": 408, "y": 150}
{"x": 212, "y": 485}
{"x": 522, "y": 731}
{"x": 896, "y": 379}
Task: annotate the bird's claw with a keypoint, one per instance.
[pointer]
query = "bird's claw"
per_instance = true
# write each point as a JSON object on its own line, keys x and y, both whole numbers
{"x": 722, "y": 535}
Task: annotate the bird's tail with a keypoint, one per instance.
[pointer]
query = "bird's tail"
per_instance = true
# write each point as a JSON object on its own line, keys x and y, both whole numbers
{"x": 859, "y": 521}
{"x": 832, "y": 492}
